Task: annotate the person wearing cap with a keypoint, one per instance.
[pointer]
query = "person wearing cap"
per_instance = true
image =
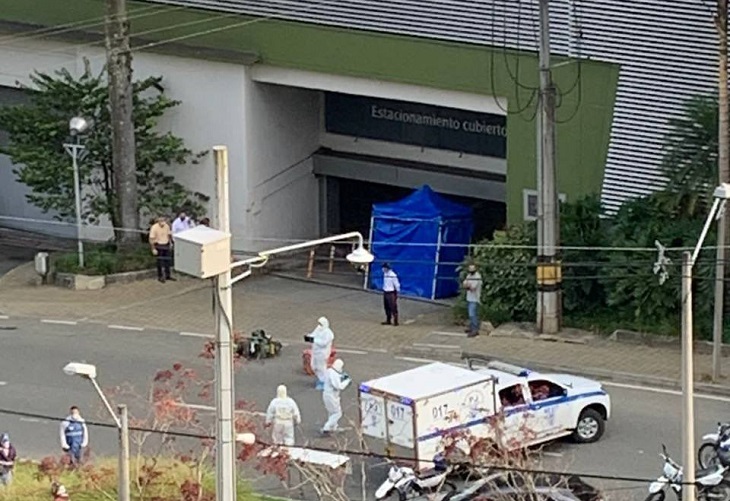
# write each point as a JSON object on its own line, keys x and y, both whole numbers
{"x": 283, "y": 415}
{"x": 391, "y": 288}
{"x": 7, "y": 459}
{"x": 335, "y": 381}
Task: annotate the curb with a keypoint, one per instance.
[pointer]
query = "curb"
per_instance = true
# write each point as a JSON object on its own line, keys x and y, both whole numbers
{"x": 592, "y": 372}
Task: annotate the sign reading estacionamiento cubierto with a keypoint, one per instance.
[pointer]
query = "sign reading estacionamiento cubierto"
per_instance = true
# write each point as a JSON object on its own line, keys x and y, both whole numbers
{"x": 416, "y": 124}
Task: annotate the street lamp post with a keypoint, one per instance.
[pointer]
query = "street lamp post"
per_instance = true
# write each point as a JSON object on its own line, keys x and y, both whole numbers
{"x": 88, "y": 371}
{"x": 720, "y": 197}
{"x": 77, "y": 126}
{"x": 225, "y": 395}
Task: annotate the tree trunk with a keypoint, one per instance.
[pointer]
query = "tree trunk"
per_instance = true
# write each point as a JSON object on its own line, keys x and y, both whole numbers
{"x": 119, "y": 62}
{"x": 723, "y": 171}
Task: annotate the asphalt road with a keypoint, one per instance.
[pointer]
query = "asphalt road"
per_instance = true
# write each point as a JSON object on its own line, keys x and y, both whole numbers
{"x": 32, "y": 355}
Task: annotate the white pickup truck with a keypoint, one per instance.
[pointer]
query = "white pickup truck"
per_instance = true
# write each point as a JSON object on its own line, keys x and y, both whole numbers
{"x": 417, "y": 408}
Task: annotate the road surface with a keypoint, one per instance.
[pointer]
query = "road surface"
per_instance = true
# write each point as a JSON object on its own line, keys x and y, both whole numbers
{"x": 33, "y": 353}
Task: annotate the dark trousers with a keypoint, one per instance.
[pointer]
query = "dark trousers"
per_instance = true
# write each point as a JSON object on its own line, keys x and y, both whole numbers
{"x": 390, "y": 303}
{"x": 164, "y": 259}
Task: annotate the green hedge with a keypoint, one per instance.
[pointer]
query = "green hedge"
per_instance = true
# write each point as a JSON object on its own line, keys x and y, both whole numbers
{"x": 105, "y": 260}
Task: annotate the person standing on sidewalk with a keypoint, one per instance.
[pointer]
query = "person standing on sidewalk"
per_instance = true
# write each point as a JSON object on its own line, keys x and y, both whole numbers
{"x": 391, "y": 288}
{"x": 7, "y": 460}
{"x": 473, "y": 286}
{"x": 74, "y": 435}
{"x": 161, "y": 243}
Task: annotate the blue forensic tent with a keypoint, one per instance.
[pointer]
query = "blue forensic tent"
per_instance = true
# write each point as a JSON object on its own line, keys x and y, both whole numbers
{"x": 424, "y": 237}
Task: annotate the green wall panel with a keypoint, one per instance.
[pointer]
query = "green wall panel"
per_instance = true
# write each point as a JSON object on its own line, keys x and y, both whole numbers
{"x": 587, "y": 89}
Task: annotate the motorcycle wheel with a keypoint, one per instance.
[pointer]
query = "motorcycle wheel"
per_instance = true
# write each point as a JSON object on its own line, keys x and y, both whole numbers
{"x": 721, "y": 492}
{"x": 707, "y": 456}
{"x": 656, "y": 496}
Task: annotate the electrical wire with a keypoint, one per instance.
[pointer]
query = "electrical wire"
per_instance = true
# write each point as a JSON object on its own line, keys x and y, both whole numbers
{"x": 343, "y": 451}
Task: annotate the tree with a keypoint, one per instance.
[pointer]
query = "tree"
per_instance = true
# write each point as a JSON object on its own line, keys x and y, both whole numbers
{"x": 37, "y": 131}
{"x": 690, "y": 153}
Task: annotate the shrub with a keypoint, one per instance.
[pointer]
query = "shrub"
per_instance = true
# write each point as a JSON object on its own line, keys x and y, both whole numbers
{"x": 106, "y": 260}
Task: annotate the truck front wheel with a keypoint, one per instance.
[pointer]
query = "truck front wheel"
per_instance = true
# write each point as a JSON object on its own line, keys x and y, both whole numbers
{"x": 590, "y": 427}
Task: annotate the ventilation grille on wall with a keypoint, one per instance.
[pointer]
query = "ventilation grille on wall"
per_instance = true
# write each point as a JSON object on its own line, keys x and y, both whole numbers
{"x": 666, "y": 51}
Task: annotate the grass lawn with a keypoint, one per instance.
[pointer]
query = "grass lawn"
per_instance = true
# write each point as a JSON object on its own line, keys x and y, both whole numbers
{"x": 100, "y": 483}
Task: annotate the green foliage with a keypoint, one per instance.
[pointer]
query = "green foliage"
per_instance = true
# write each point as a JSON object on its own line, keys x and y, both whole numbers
{"x": 507, "y": 265}
{"x": 39, "y": 129}
{"x": 106, "y": 260}
{"x": 690, "y": 151}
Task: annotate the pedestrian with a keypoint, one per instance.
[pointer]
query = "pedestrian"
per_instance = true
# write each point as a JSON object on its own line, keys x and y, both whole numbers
{"x": 335, "y": 381}
{"x": 181, "y": 223}
{"x": 283, "y": 414}
{"x": 473, "y": 286}
{"x": 391, "y": 288}
{"x": 321, "y": 338}
{"x": 161, "y": 243}
{"x": 204, "y": 222}
{"x": 7, "y": 460}
{"x": 74, "y": 435}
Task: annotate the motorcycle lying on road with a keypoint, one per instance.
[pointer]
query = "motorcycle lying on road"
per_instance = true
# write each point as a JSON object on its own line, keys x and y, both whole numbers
{"x": 710, "y": 482}
{"x": 404, "y": 482}
{"x": 711, "y": 451}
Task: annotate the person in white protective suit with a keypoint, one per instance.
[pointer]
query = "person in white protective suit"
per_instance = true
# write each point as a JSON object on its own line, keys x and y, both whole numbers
{"x": 283, "y": 414}
{"x": 322, "y": 338}
{"x": 335, "y": 381}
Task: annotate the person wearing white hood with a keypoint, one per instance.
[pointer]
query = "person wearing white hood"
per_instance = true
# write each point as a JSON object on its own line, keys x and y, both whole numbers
{"x": 335, "y": 381}
{"x": 283, "y": 414}
{"x": 321, "y": 339}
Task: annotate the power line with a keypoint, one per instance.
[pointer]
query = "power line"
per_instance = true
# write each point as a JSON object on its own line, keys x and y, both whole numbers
{"x": 343, "y": 451}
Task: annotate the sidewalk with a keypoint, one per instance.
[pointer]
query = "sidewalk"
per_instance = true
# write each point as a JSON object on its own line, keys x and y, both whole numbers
{"x": 289, "y": 308}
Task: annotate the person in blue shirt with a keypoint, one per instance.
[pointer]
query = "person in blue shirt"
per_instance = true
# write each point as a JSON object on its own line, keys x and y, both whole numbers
{"x": 74, "y": 435}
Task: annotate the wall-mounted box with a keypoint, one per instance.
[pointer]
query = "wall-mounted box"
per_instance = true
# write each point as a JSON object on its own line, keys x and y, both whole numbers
{"x": 202, "y": 252}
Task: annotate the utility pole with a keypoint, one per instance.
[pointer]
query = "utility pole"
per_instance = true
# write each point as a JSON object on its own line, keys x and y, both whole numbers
{"x": 549, "y": 276}
{"x": 688, "y": 424}
{"x": 225, "y": 436}
{"x": 119, "y": 69}
{"x": 723, "y": 171}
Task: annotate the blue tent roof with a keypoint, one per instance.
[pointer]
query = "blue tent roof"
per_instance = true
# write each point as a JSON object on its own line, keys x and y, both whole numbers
{"x": 424, "y": 203}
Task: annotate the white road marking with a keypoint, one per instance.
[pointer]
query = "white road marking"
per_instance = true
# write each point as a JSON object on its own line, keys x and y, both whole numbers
{"x": 4, "y": 317}
{"x": 664, "y": 391}
{"x": 3, "y": 383}
{"x": 452, "y": 334}
{"x": 30, "y": 420}
{"x": 416, "y": 360}
{"x": 438, "y": 346}
{"x": 196, "y": 334}
{"x": 210, "y": 408}
{"x": 58, "y": 322}
{"x": 125, "y": 328}
{"x": 351, "y": 352}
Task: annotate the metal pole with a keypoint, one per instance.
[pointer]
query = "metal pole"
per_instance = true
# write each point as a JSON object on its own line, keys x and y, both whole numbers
{"x": 77, "y": 195}
{"x": 548, "y": 267}
{"x": 723, "y": 171}
{"x": 123, "y": 453}
{"x": 226, "y": 445}
{"x": 106, "y": 402}
{"x": 688, "y": 428}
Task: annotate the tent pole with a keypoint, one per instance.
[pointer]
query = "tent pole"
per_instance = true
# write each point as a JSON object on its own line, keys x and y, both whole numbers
{"x": 436, "y": 265}
{"x": 370, "y": 241}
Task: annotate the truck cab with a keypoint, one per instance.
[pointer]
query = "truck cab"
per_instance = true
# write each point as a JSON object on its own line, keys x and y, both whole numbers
{"x": 539, "y": 407}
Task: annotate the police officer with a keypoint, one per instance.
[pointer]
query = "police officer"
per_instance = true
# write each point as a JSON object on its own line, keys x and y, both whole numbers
{"x": 74, "y": 435}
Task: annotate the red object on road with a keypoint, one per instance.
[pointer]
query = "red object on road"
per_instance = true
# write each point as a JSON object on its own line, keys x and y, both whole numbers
{"x": 307, "y": 360}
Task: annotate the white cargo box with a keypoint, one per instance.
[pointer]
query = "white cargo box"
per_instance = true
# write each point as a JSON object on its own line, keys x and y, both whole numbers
{"x": 417, "y": 408}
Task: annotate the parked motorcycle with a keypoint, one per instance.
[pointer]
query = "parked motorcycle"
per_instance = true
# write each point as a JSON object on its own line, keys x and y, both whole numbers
{"x": 404, "y": 482}
{"x": 710, "y": 452}
{"x": 710, "y": 485}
